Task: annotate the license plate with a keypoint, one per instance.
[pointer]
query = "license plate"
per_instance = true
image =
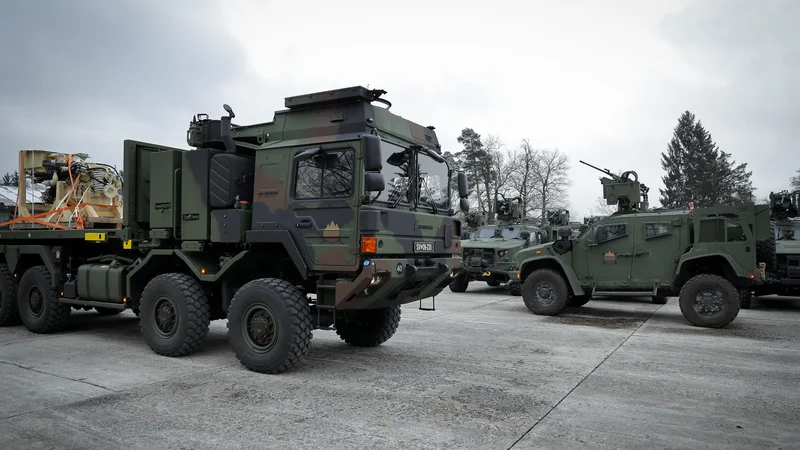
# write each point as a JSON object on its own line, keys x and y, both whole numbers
{"x": 423, "y": 247}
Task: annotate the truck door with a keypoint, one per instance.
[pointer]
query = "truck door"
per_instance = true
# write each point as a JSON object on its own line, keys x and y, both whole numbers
{"x": 610, "y": 254}
{"x": 658, "y": 242}
{"x": 322, "y": 205}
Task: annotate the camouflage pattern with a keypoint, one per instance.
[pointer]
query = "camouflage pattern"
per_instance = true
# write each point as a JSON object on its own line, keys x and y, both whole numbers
{"x": 335, "y": 208}
{"x": 636, "y": 252}
{"x": 489, "y": 252}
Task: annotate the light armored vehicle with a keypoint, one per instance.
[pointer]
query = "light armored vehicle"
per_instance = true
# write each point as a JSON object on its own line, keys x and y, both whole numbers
{"x": 706, "y": 256}
{"x": 488, "y": 254}
{"x": 783, "y": 266}
{"x": 330, "y": 216}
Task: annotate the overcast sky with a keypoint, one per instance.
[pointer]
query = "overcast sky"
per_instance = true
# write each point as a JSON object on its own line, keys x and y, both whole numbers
{"x": 602, "y": 81}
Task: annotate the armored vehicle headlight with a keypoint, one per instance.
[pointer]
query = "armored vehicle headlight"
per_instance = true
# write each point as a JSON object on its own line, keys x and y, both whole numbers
{"x": 502, "y": 253}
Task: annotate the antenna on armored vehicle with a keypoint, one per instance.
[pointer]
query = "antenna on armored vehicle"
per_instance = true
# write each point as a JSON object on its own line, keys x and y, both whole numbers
{"x": 628, "y": 194}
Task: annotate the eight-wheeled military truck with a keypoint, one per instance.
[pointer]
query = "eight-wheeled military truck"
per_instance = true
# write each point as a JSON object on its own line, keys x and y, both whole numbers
{"x": 489, "y": 254}
{"x": 706, "y": 256}
{"x": 332, "y": 215}
{"x": 783, "y": 265}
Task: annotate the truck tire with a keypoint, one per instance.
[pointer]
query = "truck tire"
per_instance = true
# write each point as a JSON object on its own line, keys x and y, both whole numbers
{"x": 369, "y": 327}
{"x": 493, "y": 283}
{"x": 545, "y": 292}
{"x": 269, "y": 325}
{"x": 720, "y": 301}
{"x": 579, "y": 300}
{"x": 107, "y": 311}
{"x": 459, "y": 283}
{"x": 515, "y": 288}
{"x": 174, "y": 314}
{"x": 38, "y": 304}
{"x": 766, "y": 250}
{"x": 9, "y": 312}
{"x": 747, "y": 298}
{"x": 660, "y": 299}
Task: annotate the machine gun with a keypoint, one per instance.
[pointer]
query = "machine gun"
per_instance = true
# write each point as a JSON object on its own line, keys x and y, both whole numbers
{"x": 783, "y": 205}
{"x": 509, "y": 211}
{"x": 628, "y": 194}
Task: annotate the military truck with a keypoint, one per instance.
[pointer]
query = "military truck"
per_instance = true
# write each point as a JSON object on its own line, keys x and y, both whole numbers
{"x": 330, "y": 216}
{"x": 783, "y": 266}
{"x": 706, "y": 256}
{"x": 489, "y": 254}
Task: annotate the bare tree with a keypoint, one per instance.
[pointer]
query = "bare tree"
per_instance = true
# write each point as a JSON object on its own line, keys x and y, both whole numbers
{"x": 522, "y": 177}
{"x": 602, "y": 208}
{"x": 489, "y": 176}
{"x": 551, "y": 179}
{"x": 501, "y": 168}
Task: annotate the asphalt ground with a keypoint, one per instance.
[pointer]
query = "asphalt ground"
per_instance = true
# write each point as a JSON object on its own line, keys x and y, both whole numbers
{"x": 479, "y": 372}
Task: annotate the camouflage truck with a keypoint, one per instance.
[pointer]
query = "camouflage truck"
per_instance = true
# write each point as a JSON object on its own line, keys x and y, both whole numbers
{"x": 489, "y": 253}
{"x": 783, "y": 265}
{"x": 330, "y": 216}
{"x": 706, "y": 256}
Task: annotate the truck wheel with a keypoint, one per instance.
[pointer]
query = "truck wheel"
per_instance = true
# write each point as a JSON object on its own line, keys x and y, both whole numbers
{"x": 107, "y": 311}
{"x": 545, "y": 292}
{"x": 369, "y": 327}
{"x": 38, "y": 302}
{"x": 493, "y": 283}
{"x": 459, "y": 283}
{"x": 269, "y": 325}
{"x": 709, "y": 301}
{"x": 579, "y": 300}
{"x": 9, "y": 313}
{"x": 747, "y": 298}
{"x": 174, "y": 314}
{"x": 766, "y": 250}
{"x": 660, "y": 299}
{"x": 515, "y": 288}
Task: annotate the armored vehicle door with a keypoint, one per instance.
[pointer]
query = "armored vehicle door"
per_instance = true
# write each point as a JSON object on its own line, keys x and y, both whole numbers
{"x": 659, "y": 242}
{"x": 609, "y": 254}
{"x": 322, "y": 205}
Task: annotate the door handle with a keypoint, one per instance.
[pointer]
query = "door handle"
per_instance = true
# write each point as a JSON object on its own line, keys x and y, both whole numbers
{"x": 305, "y": 223}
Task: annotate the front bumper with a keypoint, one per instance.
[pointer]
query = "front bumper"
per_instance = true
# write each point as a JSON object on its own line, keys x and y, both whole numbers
{"x": 387, "y": 282}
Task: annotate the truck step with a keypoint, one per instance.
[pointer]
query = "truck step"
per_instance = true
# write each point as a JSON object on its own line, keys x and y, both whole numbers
{"x": 624, "y": 293}
{"x": 78, "y": 301}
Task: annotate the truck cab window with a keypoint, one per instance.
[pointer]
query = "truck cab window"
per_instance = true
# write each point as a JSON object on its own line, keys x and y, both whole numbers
{"x": 325, "y": 175}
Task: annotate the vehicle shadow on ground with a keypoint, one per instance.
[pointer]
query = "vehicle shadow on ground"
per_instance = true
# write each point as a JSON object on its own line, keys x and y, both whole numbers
{"x": 776, "y": 303}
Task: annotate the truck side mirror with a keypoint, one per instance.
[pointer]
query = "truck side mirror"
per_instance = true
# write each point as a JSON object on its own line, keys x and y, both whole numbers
{"x": 371, "y": 147}
{"x": 463, "y": 189}
{"x": 525, "y": 235}
{"x": 464, "y": 204}
{"x": 374, "y": 182}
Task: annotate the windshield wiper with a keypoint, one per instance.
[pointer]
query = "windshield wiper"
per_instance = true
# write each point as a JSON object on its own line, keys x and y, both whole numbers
{"x": 430, "y": 196}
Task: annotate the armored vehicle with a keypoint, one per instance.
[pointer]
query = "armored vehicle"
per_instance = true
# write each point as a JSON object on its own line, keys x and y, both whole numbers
{"x": 706, "y": 256}
{"x": 330, "y": 216}
{"x": 488, "y": 255}
{"x": 783, "y": 266}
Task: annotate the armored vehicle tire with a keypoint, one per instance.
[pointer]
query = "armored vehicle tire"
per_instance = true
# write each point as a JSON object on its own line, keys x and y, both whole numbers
{"x": 709, "y": 301}
{"x": 545, "y": 292}
{"x": 579, "y": 300}
{"x": 174, "y": 314}
{"x": 515, "y": 288}
{"x": 107, "y": 311}
{"x": 459, "y": 283}
{"x": 660, "y": 299}
{"x": 493, "y": 283}
{"x": 368, "y": 327}
{"x": 269, "y": 325}
{"x": 38, "y": 304}
{"x": 766, "y": 250}
{"x": 747, "y": 298}
{"x": 9, "y": 312}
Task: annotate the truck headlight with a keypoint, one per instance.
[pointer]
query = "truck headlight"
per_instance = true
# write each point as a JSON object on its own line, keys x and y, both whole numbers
{"x": 502, "y": 253}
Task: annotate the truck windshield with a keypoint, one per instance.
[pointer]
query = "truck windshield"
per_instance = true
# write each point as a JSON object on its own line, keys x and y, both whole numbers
{"x": 504, "y": 232}
{"x": 398, "y": 171}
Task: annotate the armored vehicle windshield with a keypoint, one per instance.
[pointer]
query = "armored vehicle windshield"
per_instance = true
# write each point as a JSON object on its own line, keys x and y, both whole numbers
{"x": 490, "y": 231}
{"x": 401, "y": 165}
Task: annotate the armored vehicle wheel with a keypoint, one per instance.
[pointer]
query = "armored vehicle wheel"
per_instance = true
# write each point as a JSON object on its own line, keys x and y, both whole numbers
{"x": 747, "y": 298}
{"x": 459, "y": 283}
{"x": 269, "y": 325}
{"x": 493, "y": 283}
{"x": 107, "y": 311}
{"x": 368, "y": 327}
{"x": 515, "y": 288}
{"x": 709, "y": 301}
{"x": 579, "y": 300}
{"x": 660, "y": 299}
{"x": 545, "y": 292}
{"x": 174, "y": 314}
{"x": 9, "y": 313}
{"x": 766, "y": 250}
{"x": 38, "y": 302}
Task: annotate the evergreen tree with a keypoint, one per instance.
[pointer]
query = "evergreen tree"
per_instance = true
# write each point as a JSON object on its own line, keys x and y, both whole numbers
{"x": 474, "y": 161}
{"x": 697, "y": 171}
{"x": 795, "y": 181}
{"x": 6, "y": 180}
{"x": 15, "y": 178}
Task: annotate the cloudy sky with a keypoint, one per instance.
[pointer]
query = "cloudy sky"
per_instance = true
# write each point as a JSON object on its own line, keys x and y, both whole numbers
{"x": 603, "y": 81}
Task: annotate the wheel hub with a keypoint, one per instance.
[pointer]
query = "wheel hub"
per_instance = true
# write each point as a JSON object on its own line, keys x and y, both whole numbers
{"x": 165, "y": 317}
{"x": 36, "y": 301}
{"x": 260, "y": 328}
{"x": 545, "y": 293}
{"x": 709, "y": 302}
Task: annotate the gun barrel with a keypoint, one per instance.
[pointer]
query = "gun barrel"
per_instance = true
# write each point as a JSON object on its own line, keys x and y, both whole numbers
{"x": 605, "y": 171}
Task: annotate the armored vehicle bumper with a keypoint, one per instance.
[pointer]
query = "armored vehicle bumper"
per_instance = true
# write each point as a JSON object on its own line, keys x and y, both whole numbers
{"x": 483, "y": 268}
{"x": 392, "y": 281}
